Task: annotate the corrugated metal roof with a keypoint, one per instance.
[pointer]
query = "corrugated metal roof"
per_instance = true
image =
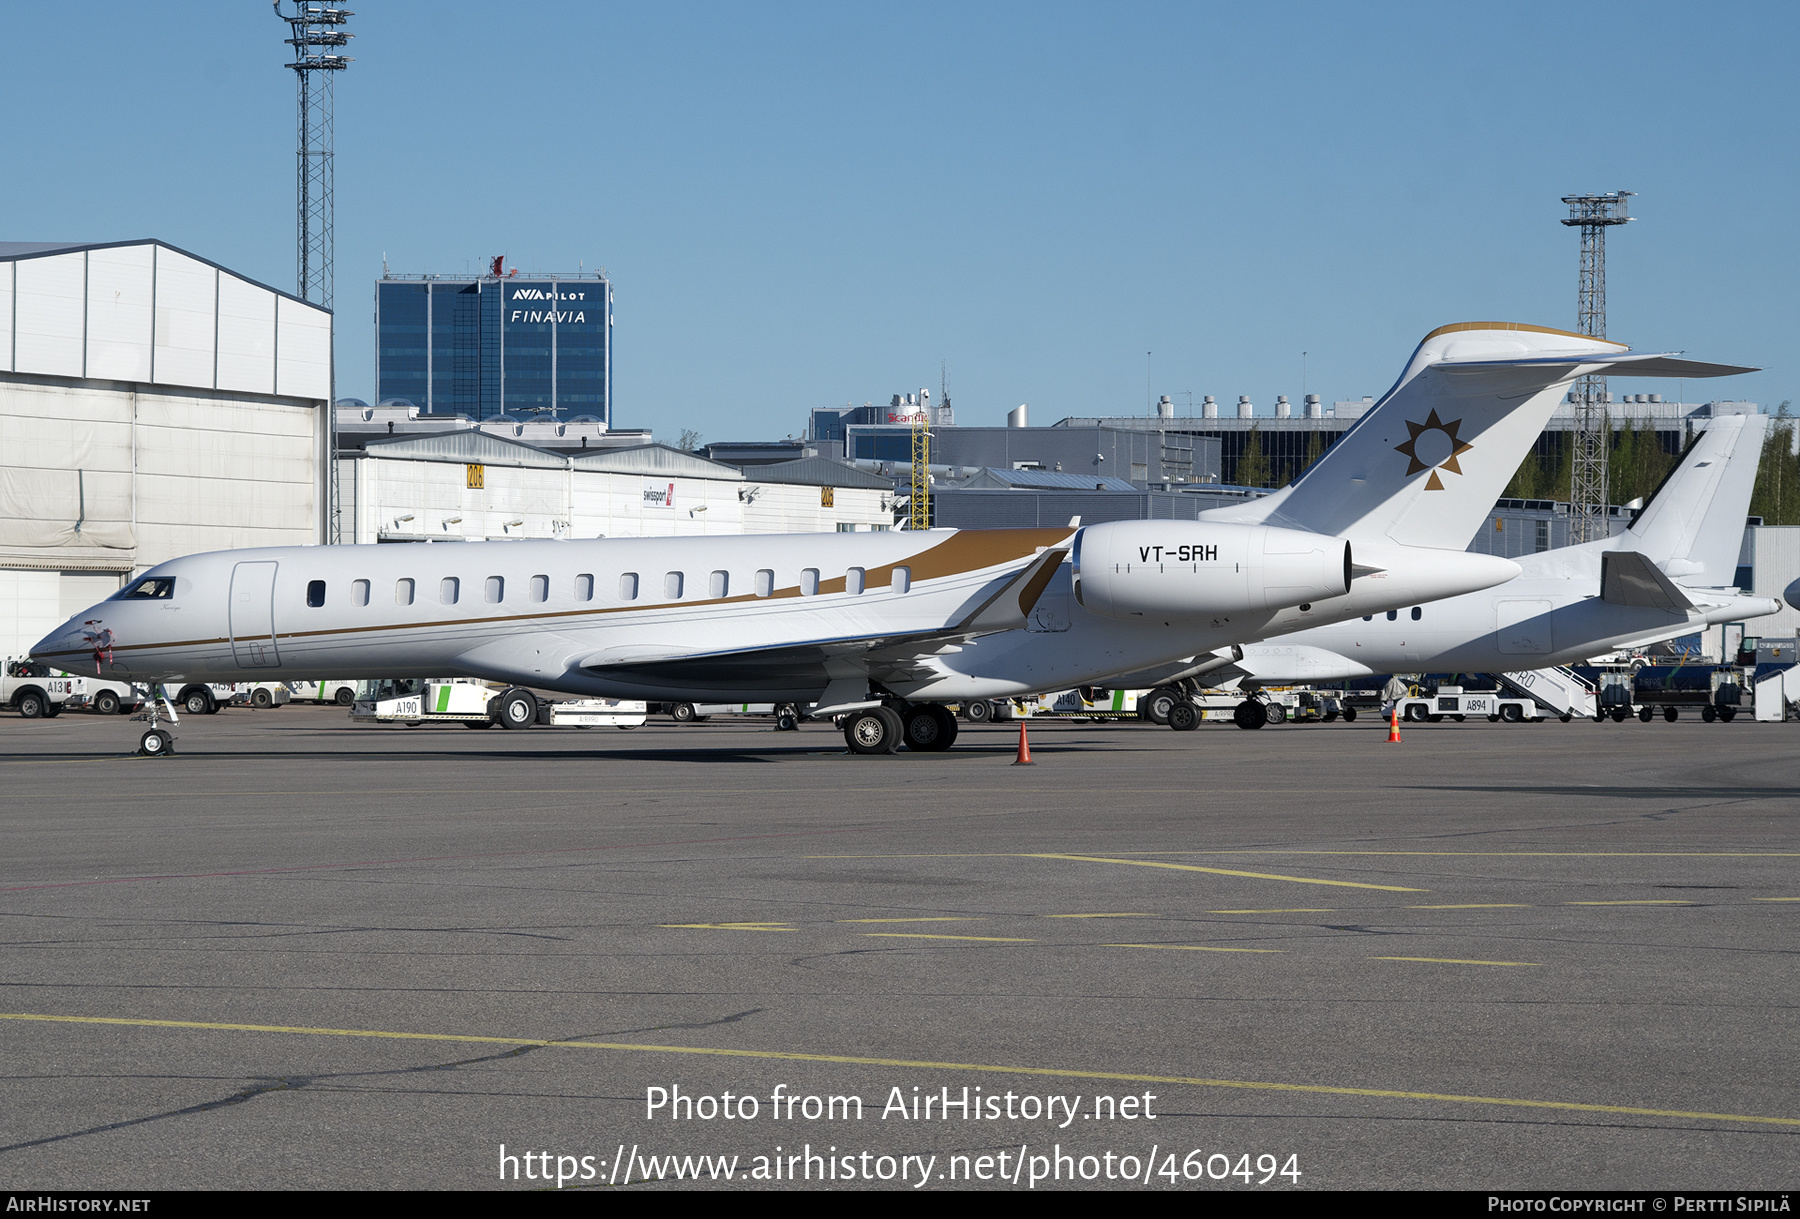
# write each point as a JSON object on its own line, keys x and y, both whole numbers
{"x": 658, "y": 459}
{"x": 817, "y": 472}
{"x": 466, "y": 445}
{"x": 1048, "y": 480}
{"x": 11, "y": 251}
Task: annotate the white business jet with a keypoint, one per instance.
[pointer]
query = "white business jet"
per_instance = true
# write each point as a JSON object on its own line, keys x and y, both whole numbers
{"x": 1671, "y": 573}
{"x": 882, "y": 629}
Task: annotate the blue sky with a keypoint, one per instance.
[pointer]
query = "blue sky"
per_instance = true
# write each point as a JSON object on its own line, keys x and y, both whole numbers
{"x": 808, "y": 205}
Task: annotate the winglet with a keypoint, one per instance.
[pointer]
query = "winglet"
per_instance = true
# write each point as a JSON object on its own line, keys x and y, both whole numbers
{"x": 1008, "y": 609}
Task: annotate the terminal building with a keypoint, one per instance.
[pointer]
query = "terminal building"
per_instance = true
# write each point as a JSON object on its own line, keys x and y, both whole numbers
{"x": 496, "y": 345}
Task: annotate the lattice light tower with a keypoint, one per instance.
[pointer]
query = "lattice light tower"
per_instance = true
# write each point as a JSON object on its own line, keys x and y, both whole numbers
{"x": 317, "y": 30}
{"x": 920, "y": 503}
{"x": 1593, "y": 215}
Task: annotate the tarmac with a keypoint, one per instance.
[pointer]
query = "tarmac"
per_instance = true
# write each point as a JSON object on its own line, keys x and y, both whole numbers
{"x": 302, "y": 953}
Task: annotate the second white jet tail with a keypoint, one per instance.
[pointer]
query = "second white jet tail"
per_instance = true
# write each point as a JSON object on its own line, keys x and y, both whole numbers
{"x": 1424, "y": 466}
{"x": 1694, "y": 524}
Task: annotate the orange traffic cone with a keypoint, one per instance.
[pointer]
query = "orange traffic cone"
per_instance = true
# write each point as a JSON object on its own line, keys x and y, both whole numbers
{"x": 1024, "y": 758}
{"x": 1394, "y": 728}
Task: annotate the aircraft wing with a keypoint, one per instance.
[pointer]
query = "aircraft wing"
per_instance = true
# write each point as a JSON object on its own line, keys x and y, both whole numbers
{"x": 890, "y": 656}
{"x": 1628, "y": 578}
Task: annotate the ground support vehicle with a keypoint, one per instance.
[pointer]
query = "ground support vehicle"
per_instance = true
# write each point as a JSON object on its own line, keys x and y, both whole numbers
{"x": 594, "y": 713}
{"x": 265, "y": 695}
{"x": 106, "y": 697}
{"x": 1777, "y": 693}
{"x": 1083, "y": 703}
{"x": 1453, "y": 702}
{"x": 341, "y": 692}
{"x": 455, "y": 700}
{"x": 197, "y": 699}
{"x": 1716, "y": 691}
{"x": 35, "y": 690}
{"x": 787, "y": 715}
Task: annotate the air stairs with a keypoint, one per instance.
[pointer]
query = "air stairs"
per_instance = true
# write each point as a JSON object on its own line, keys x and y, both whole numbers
{"x": 1561, "y": 690}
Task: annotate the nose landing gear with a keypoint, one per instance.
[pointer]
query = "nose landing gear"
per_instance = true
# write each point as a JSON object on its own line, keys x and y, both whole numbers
{"x": 157, "y": 742}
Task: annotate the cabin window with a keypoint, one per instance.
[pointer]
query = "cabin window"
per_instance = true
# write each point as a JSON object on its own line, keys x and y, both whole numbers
{"x": 809, "y": 582}
{"x": 584, "y": 588}
{"x": 403, "y": 592}
{"x": 359, "y": 592}
{"x": 902, "y": 579}
{"x": 449, "y": 588}
{"x": 1417, "y": 613}
{"x": 315, "y": 593}
{"x": 853, "y": 580}
{"x": 765, "y": 583}
{"x": 540, "y": 588}
{"x": 628, "y": 586}
{"x": 672, "y": 583}
{"x": 719, "y": 587}
{"x": 1393, "y": 615}
{"x": 495, "y": 592}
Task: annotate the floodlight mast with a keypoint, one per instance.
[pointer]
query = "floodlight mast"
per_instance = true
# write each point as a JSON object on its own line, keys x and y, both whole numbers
{"x": 317, "y": 30}
{"x": 1593, "y": 215}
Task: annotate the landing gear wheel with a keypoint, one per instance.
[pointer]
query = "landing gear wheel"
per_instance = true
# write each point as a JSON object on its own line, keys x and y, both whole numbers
{"x": 929, "y": 729}
{"x": 517, "y": 709}
{"x": 783, "y": 723}
{"x": 1644, "y": 714}
{"x": 978, "y": 712}
{"x": 1158, "y": 702}
{"x": 1185, "y": 717}
{"x": 262, "y": 700}
{"x": 1349, "y": 715}
{"x": 1248, "y": 714}
{"x": 344, "y": 697}
{"x": 683, "y": 713}
{"x": 156, "y": 744}
{"x": 1671, "y": 714}
{"x": 1709, "y": 714}
{"x": 1274, "y": 713}
{"x": 197, "y": 702}
{"x": 872, "y": 730}
{"x": 106, "y": 703}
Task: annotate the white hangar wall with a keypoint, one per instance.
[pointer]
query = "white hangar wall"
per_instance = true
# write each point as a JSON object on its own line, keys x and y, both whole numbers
{"x": 152, "y": 404}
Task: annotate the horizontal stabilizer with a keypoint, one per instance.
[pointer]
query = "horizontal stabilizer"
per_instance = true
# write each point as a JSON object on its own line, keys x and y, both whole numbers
{"x": 1628, "y": 578}
{"x": 1626, "y": 364}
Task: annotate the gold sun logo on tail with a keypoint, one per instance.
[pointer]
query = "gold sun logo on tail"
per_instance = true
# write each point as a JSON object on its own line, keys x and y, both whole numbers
{"x": 1440, "y": 451}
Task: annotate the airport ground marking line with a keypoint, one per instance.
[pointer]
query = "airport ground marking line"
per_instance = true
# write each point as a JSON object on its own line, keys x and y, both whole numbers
{"x": 1122, "y": 915}
{"x": 730, "y": 926}
{"x": 1193, "y": 948}
{"x": 1479, "y": 906}
{"x": 935, "y": 919}
{"x": 1291, "y": 910}
{"x": 1451, "y": 961}
{"x": 1421, "y": 854}
{"x": 860, "y": 1061}
{"x": 1188, "y": 867}
{"x": 1646, "y": 902}
{"x": 1775, "y": 899}
{"x": 920, "y": 935}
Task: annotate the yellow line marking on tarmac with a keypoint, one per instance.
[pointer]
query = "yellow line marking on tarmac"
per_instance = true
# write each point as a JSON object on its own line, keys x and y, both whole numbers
{"x": 1669, "y": 902}
{"x": 1141, "y": 915}
{"x": 1479, "y": 906}
{"x": 1188, "y": 867}
{"x": 1422, "y": 854}
{"x": 731, "y": 926}
{"x": 1451, "y": 961}
{"x": 1775, "y": 899}
{"x": 856, "y": 1061}
{"x": 1292, "y": 910}
{"x": 1193, "y": 948}
{"x": 913, "y": 920}
{"x": 919, "y": 935}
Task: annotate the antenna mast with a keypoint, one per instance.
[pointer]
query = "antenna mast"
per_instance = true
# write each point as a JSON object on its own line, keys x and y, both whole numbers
{"x": 1593, "y": 215}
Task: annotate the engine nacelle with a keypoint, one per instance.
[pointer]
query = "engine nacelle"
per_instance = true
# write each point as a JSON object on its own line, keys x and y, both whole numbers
{"x": 1196, "y": 569}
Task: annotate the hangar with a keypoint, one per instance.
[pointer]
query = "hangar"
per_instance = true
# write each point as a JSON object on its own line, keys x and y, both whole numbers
{"x": 152, "y": 404}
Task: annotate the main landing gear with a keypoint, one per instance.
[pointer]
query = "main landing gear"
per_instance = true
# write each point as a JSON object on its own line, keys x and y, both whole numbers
{"x": 921, "y": 727}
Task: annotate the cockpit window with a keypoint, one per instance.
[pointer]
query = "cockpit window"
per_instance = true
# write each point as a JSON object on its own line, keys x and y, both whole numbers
{"x": 149, "y": 588}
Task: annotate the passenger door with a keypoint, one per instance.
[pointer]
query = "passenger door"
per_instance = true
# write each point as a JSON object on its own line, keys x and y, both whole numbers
{"x": 253, "y": 615}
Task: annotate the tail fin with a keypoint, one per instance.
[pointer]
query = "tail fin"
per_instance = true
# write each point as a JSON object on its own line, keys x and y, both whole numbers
{"x": 1425, "y": 465}
{"x": 1694, "y": 524}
